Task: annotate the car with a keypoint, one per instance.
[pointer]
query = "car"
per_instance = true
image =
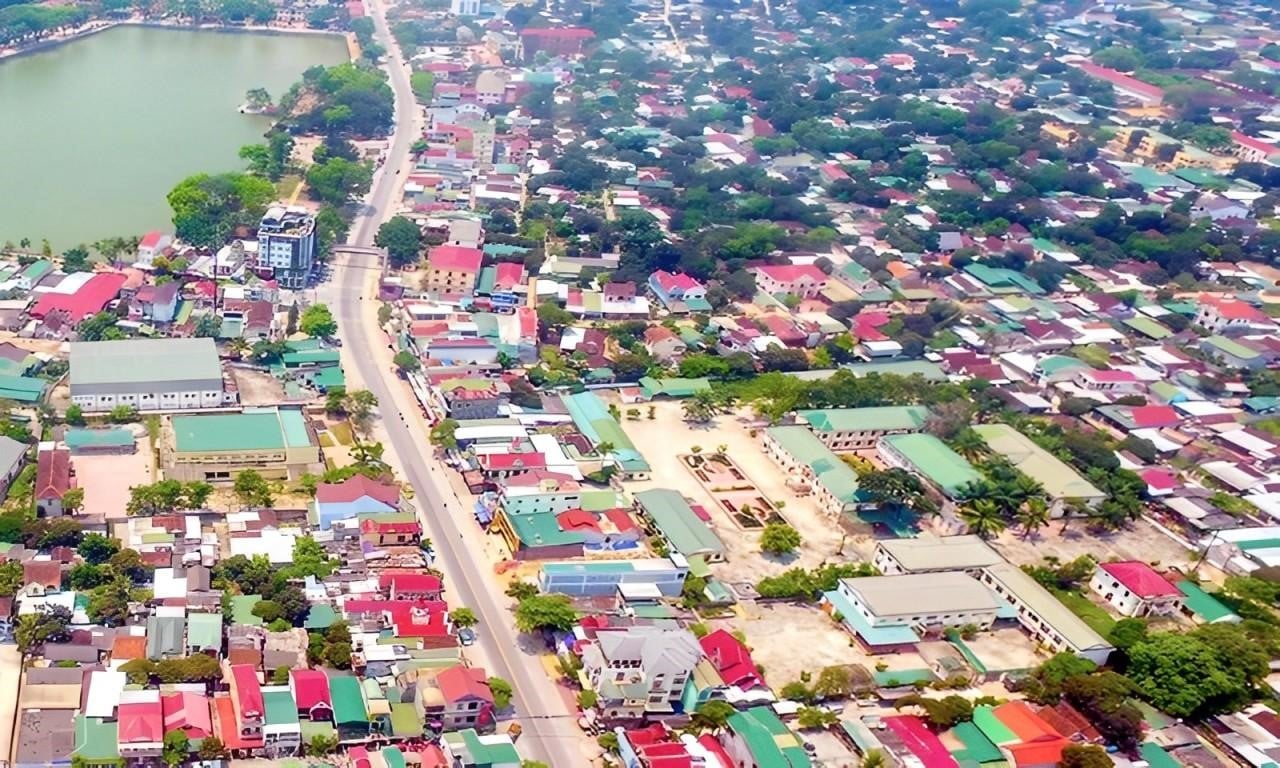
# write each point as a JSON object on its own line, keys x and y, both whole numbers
{"x": 810, "y": 749}
{"x": 467, "y": 636}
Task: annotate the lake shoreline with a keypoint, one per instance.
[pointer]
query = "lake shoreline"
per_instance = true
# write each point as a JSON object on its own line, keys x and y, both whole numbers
{"x": 95, "y": 27}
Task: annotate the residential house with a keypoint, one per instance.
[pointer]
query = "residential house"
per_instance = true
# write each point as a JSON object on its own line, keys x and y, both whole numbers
{"x": 140, "y": 719}
{"x": 678, "y": 292}
{"x": 468, "y": 702}
{"x": 1136, "y": 589}
{"x": 310, "y": 689}
{"x": 452, "y": 270}
{"x": 282, "y": 730}
{"x": 53, "y": 479}
{"x": 756, "y": 738}
{"x": 354, "y": 497}
{"x": 187, "y": 711}
{"x": 13, "y": 456}
{"x": 663, "y": 343}
{"x": 468, "y": 749}
{"x": 803, "y": 280}
{"x": 732, "y": 661}
{"x": 246, "y": 700}
{"x": 640, "y": 671}
{"x": 1229, "y": 316}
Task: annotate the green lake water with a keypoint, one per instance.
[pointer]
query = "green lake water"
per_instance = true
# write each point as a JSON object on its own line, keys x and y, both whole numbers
{"x": 94, "y": 133}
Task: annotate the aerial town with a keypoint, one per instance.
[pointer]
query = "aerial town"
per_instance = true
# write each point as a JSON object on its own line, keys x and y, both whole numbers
{"x": 666, "y": 384}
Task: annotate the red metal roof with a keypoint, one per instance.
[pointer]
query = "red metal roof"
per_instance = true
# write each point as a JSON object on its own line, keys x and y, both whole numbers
{"x": 187, "y": 711}
{"x": 228, "y": 729}
{"x": 409, "y": 581}
{"x": 571, "y": 33}
{"x": 92, "y": 297}
{"x": 455, "y": 258}
{"x": 310, "y": 688}
{"x": 141, "y": 722}
{"x": 732, "y": 659}
{"x": 789, "y": 273}
{"x": 369, "y": 525}
{"x": 357, "y": 487}
{"x": 1121, "y": 79}
{"x": 1018, "y": 717}
{"x": 1141, "y": 579}
{"x": 459, "y": 682}
{"x": 248, "y": 691}
{"x": 577, "y": 520}
{"x": 1154, "y": 416}
{"x": 503, "y": 461}
{"x": 921, "y": 741}
{"x": 1249, "y": 142}
{"x": 53, "y": 473}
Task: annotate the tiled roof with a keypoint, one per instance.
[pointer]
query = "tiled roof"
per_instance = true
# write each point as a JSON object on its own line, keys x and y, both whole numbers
{"x": 1141, "y": 579}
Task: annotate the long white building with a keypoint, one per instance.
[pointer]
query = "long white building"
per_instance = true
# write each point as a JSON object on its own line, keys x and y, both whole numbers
{"x": 147, "y": 374}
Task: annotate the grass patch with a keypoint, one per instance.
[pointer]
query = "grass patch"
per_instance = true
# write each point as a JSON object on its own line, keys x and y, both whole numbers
{"x": 326, "y": 441}
{"x": 341, "y": 432}
{"x": 1098, "y": 620}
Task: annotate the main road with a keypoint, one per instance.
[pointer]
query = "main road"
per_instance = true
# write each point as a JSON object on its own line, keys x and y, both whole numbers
{"x": 550, "y": 732}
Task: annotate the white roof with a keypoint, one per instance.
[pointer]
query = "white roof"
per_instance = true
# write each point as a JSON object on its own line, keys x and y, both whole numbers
{"x": 1202, "y": 408}
{"x": 1233, "y": 474}
{"x": 1249, "y": 442}
{"x": 105, "y": 687}
{"x": 275, "y": 543}
{"x": 167, "y": 585}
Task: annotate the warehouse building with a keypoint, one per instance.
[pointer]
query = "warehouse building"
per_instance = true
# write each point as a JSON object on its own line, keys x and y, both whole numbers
{"x": 890, "y": 613}
{"x": 929, "y": 458}
{"x": 147, "y": 374}
{"x": 1063, "y": 484}
{"x": 275, "y": 442}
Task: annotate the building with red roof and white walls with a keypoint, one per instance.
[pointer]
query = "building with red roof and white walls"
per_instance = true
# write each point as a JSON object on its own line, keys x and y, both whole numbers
{"x": 452, "y": 270}
{"x": 1220, "y": 315}
{"x": 1253, "y": 150}
{"x": 1136, "y": 589}
{"x": 803, "y": 280}
{"x": 140, "y": 723}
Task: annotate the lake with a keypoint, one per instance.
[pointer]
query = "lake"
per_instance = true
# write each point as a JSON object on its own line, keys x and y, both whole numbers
{"x": 96, "y": 132}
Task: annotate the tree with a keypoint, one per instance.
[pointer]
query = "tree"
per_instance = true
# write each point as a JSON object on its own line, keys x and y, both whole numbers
{"x": 711, "y": 715}
{"x": 463, "y": 617}
{"x": 442, "y": 434}
{"x": 942, "y": 713}
{"x": 99, "y": 327}
{"x": 423, "y": 85}
{"x": 1032, "y": 516}
{"x": 317, "y": 321}
{"x": 338, "y": 655}
{"x": 403, "y": 240}
{"x": 75, "y": 415}
{"x": 834, "y": 683}
{"x": 97, "y": 548}
{"x": 321, "y": 745}
{"x": 873, "y": 759}
{"x": 76, "y": 260}
{"x": 546, "y": 612}
{"x": 815, "y": 718}
{"x": 252, "y": 489}
{"x": 1127, "y": 633}
{"x": 779, "y": 539}
{"x": 982, "y": 516}
{"x": 501, "y": 691}
{"x": 587, "y": 699}
{"x": 208, "y": 208}
{"x": 176, "y": 747}
{"x": 521, "y": 590}
{"x": 73, "y": 500}
{"x": 1210, "y": 670}
{"x": 552, "y": 315}
{"x": 336, "y": 180}
{"x": 211, "y": 748}
{"x": 31, "y": 631}
{"x": 11, "y": 578}
{"x": 1085, "y": 756}
{"x": 207, "y": 326}
{"x": 406, "y": 361}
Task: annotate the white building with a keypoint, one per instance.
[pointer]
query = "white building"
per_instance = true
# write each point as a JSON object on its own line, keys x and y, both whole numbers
{"x": 287, "y": 244}
{"x": 1136, "y": 589}
{"x": 921, "y": 600}
{"x": 929, "y": 555}
{"x": 147, "y": 374}
{"x": 641, "y": 670}
{"x": 1043, "y": 616}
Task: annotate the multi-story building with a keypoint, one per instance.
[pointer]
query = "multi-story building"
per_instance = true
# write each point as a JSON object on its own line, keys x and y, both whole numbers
{"x": 282, "y": 730}
{"x": 147, "y": 374}
{"x": 641, "y": 670}
{"x": 1136, "y": 589}
{"x": 858, "y": 429}
{"x": 889, "y": 612}
{"x": 275, "y": 442}
{"x": 287, "y": 244}
{"x": 804, "y": 457}
{"x": 452, "y": 270}
{"x": 246, "y": 700}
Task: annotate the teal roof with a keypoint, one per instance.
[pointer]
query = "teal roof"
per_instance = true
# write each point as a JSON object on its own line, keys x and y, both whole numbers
{"x": 1000, "y": 280}
{"x": 771, "y": 744}
{"x": 204, "y": 630}
{"x": 481, "y": 753}
{"x": 1157, "y": 757}
{"x": 676, "y": 520}
{"x": 882, "y": 419}
{"x": 834, "y": 475}
{"x": 932, "y": 459}
{"x": 541, "y": 528}
{"x": 677, "y": 388}
{"x": 97, "y": 740}
{"x": 1148, "y": 327}
{"x": 929, "y": 370}
{"x": 320, "y": 616}
{"x": 872, "y": 635}
{"x": 115, "y": 437}
{"x": 592, "y": 418}
{"x": 24, "y": 389}
{"x": 37, "y": 269}
{"x": 242, "y": 610}
{"x": 890, "y": 678}
{"x": 311, "y": 357}
{"x": 1204, "y": 605}
{"x": 253, "y": 430}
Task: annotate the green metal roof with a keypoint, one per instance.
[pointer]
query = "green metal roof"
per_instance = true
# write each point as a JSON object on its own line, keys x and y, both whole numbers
{"x": 405, "y": 722}
{"x": 204, "y": 630}
{"x": 984, "y": 717}
{"x": 1059, "y": 480}
{"x": 252, "y": 430}
{"x": 393, "y": 757}
{"x": 592, "y": 418}
{"x": 482, "y": 753}
{"x": 1148, "y": 327}
{"x": 311, "y": 357}
{"x": 834, "y": 475}
{"x": 37, "y": 269}
{"x": 280, "y": 708}
{"x": 678, "y": 388}
{"x": 128, "y": 361}
{"x": 1157, "y": 757}
{"x": 242, "y": 610}
{"x": 1230, "y": 347}
{"x": 320, "y": 616}
{"x": 929, "y": 370}
{"x": 541, "y": 528}
{"x": 885, "y": 418}
{"x": 348, "y": 702}
{"x": 977, "y": 747}
{"x": 676, "y": 520}
{"x": 1205, "y": 605}
{"x": 931, "y": 458}
{"x": 771, "y": 744}
{"x": 97, "y": 740}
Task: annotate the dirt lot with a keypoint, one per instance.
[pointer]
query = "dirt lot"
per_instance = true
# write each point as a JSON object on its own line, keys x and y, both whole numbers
{"x": 774, "y": 632}
{"x": 663, "y": 439}
{"x": 1004, "y": 649}
{"x": 106, "y": 479}
{"x": 1142, "y": 541}
{"x": 258, "y": 387}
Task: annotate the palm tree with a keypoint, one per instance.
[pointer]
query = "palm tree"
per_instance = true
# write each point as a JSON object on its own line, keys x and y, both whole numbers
{"x": 604, "y": 448}
{"x": 1033, "y": 515}
{"x": 983, "y": 518}
{"x": 969, "y": 444}
{"x": 1023, "y": 488}
{"x": 873, "y": 759}
{"x": 238, "y": 346}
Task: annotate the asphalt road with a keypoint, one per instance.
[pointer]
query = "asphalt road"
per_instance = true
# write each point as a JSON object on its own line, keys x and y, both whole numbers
{"x": 550, "y": 729}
